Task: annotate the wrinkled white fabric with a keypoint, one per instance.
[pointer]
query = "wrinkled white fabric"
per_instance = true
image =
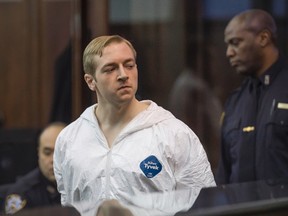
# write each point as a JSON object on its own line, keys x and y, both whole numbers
{"x": 163, "y": 204}
{"x": 88, "y": 171}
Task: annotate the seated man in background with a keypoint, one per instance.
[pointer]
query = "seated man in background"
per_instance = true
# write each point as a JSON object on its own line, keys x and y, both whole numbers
{"x": 38, "y": 187}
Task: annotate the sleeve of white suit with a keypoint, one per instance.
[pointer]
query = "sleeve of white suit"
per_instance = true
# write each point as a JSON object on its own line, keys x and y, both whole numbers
{"x": 192, "y": 168}
{"x": 57, "y": 163}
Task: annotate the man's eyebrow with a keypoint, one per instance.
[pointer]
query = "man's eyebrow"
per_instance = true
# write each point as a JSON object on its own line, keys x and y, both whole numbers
{"x": 109, "y": 64}
{"x": 130, "y": 59}
{"x": 113, "y": 63}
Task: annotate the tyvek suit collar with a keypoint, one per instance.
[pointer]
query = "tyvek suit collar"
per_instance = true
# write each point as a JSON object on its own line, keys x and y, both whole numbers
{"x": 144, "y": 119}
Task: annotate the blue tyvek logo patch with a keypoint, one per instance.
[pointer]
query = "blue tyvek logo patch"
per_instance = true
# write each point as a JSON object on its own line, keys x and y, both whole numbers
{"x": 151, "y": 166}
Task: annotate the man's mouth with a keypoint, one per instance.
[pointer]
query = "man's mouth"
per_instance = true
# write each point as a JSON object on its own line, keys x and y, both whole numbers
{"x": 123, "y": 87}
{"x": 234, "y": 63}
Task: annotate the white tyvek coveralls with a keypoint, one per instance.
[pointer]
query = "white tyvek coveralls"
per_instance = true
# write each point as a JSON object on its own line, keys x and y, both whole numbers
{"x": 88, "y": 171}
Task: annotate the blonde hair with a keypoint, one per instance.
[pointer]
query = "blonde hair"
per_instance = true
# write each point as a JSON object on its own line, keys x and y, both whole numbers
{"x": 96, "y": 46}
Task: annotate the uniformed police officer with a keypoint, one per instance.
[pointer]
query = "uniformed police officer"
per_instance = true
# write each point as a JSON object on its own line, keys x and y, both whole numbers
{"x": 38, "y": 187}
{"x": 254, "y": 142}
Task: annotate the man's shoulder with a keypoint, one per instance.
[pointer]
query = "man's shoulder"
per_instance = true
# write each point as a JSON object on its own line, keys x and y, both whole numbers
{"x": 235, "y": 94}
{"x": 283, "y": 74}
{"x": 26, "y": 182}
{"x": 86, "y": 117}
{"x": 16, "y": 198}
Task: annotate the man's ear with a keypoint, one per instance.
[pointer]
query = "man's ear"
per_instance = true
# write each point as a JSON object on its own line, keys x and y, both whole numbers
{"x": 265, "y": 38}
{"x": 89, "y": 79}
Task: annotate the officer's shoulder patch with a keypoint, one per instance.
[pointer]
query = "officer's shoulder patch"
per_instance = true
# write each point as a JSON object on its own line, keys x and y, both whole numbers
{"x": 151, "y": 166}
{"x": 14, "y": 203}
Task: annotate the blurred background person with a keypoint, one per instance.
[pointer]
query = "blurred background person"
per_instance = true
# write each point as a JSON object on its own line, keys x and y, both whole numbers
{"x": 194, "y": 102}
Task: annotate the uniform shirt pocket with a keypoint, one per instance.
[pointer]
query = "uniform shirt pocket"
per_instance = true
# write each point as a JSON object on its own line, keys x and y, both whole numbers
{"x": 231, "y": 130}
{"x": 232, "y": 137}
{"x": 277, "y": 127}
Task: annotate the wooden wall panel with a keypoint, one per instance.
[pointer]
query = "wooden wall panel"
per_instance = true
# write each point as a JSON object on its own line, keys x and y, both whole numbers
{"x": 33, "y": 34}
{"x": 17, "y": 92}
{"x": 56, "y": 18}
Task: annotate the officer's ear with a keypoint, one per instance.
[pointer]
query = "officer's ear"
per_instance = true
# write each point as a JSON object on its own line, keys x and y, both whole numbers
{"x": 264, "y": 37}
{"x": 89, "y": 79}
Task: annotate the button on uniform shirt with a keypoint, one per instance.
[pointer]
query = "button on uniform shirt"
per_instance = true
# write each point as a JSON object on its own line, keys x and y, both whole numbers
{"x": 254, "y": 143}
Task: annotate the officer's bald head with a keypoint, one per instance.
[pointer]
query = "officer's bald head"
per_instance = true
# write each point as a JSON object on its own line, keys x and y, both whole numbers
{"x": 256, "y": 20}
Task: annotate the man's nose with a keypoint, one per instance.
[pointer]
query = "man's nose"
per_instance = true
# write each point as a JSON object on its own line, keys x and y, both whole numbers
{"x": 50, "y": 159}
{"x": 122, "y": 74}
{"x": 230, "y": 52}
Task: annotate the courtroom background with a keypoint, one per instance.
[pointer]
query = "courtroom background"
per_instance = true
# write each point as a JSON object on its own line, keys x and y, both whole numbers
{"x": 181, "y": 62}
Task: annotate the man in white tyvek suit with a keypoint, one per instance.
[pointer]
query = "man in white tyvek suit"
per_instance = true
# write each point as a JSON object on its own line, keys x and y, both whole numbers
{"x": 122, "y": 148}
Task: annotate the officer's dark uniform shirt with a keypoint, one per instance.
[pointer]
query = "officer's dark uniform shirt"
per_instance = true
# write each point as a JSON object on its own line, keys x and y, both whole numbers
{"x": 30, "y": 191}
{"x": 254, "y": 143}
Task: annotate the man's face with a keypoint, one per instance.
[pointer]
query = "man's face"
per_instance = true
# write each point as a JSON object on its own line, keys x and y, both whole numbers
{"x": 243, "y": 50}
{"x": 46, "y": 151}
{"x": 116, "y": 76}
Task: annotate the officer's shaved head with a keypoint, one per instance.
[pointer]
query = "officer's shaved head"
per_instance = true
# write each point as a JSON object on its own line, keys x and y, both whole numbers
{"x": 256, "y": 20}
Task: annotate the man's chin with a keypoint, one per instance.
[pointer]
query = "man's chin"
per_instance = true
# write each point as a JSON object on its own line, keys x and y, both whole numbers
{"x": 51, "y": 178}
{"x": 242, "y": 71}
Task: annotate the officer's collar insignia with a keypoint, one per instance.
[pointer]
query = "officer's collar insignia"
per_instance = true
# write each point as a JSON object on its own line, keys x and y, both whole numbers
{"x": 14, "y": 203}
{"x": 151, "y": 166}
{"x": 266, "y": 79}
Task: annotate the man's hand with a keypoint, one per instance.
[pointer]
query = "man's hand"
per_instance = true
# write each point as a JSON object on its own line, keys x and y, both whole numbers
{"x": 112, "y": 208}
